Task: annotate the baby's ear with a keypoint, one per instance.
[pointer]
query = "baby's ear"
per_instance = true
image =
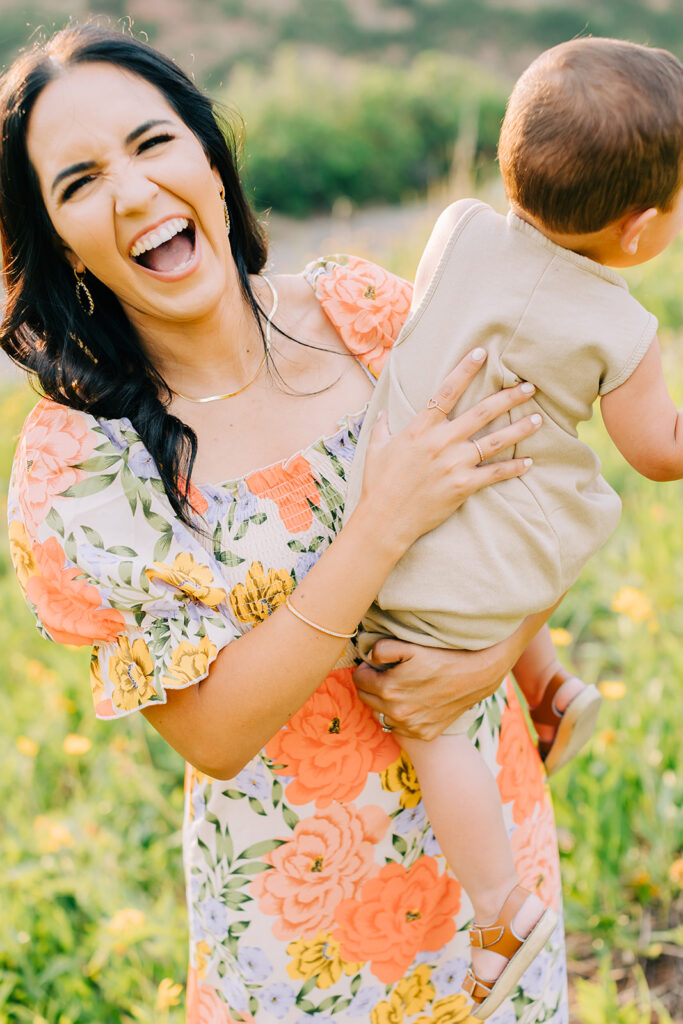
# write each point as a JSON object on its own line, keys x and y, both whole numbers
{"x": 632, "y": 228}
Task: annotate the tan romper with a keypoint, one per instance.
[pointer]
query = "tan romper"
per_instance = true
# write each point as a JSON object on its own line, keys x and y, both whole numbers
{"x": 545, "y": 315}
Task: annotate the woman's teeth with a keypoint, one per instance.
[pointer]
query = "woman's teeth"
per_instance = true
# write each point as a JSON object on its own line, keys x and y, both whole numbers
{"x": 159, "y": 235}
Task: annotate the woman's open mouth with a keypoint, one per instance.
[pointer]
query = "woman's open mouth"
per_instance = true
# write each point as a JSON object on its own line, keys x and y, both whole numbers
{"x": 169, "y": 249}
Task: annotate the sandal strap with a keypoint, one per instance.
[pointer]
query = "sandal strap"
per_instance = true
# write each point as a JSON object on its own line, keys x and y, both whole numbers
{"x": 546, "y": 713}
{"x": 475, "y": 988}
{"x": 499, "y": 937}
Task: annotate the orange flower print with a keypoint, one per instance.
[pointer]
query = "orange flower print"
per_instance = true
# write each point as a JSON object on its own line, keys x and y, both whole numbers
{"x": 331, "y": 744}
{"x": 69, "y": 609}
{"x": 292, "y": 487}
{"x": 397, "y": 914}
{"x": 534, "y": 848}
{"x": 368, "y": 305}
{"x": 205, "y": 1006}
{"x": 328, "y": 857}
{"x": 53, "y": 441}
{"x": 197, "y": 499}
{"x": 520, "y": 778}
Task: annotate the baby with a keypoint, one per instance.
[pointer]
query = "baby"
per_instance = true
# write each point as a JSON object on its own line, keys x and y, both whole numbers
{"x": 591, "y": 154}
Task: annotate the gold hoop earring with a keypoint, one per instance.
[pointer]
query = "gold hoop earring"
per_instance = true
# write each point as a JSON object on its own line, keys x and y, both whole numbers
{"x": 85, "y": 300}
{"x": 226, "y": 213}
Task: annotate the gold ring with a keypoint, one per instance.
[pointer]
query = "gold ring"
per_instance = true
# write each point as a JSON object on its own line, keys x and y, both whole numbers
{"x": 433, "y": 404}
{"x": 478, "y": 447}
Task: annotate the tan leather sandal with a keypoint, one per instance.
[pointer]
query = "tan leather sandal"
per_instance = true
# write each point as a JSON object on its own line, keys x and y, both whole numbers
{"x": 500, "y": 937}
{"x": 574, "y": 726}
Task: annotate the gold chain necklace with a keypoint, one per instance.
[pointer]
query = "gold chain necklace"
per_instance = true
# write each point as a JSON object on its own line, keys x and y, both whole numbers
{"x": 231, "y": 394}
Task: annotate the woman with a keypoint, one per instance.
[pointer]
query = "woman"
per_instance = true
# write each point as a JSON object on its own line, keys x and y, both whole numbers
{"x": 140, "y": 524}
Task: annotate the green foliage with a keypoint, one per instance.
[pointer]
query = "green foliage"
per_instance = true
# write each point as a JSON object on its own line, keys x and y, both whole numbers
{"x": 366, "y": 133}
{"x": 599, "y": 1003}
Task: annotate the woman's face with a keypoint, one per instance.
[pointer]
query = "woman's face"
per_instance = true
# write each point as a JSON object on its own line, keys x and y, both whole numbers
{"x": 130, "y": 192}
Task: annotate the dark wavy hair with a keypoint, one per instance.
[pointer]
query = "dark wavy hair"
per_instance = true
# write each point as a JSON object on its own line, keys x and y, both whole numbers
{"x": 96, "y": 363}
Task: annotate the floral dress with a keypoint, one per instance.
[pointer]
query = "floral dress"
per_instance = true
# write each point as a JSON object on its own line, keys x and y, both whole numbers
{"x": 316, "y": 889}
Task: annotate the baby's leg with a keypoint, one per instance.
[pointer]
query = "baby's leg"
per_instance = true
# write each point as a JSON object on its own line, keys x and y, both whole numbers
{"x": 463, "y": 804}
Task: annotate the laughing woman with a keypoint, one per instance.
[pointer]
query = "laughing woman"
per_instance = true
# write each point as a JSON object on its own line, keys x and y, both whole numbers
{"x": 182, "y": 482}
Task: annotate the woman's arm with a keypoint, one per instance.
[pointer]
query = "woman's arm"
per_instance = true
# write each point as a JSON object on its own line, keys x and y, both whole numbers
{"x": 429, "y": 687}
{"x": 412, "y": 482}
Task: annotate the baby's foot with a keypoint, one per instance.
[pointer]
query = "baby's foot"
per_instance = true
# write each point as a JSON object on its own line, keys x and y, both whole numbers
{"x": 569, "y": 687}
{"x": 487, "y": 964}
{"x": 565, "y": 718}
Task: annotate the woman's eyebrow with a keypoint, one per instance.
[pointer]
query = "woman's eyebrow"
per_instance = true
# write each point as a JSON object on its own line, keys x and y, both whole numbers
{"x": 88, "y": 165}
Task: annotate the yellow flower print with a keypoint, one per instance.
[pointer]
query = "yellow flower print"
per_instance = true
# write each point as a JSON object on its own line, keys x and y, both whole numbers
{"x": 451, "y": 1010}
{"x": 21, "y": 552}
{"x": 319, "y": 958}
{"x": 189, "y": 662}
{"x": 633, "y": 603}
{"x": 260, "y": 594}
{"x": 388, "y": 1012}
{"x": 96, "y": 681}
{"x": 190, "y": 577}
{"x": 132, "y": 673}
{"x": 401, "y": 777}
{"x": 202, "y": 952}
{"x": 416, "y": 991}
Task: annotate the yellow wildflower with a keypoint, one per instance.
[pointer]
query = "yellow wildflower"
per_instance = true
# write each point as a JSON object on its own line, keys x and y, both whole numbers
{"x": 561, "y": 637}
{"x": 202, "y": 952}
{"x": 167, "y": 994}
{"x": 21, "y": 552}
{"x": 189, "y": 662}
{"x": 676, "y": 872}
{"x": 39, "y": 673}
{"x": 402, "y": 777}
{"x": 260, "y": 594}
{"x": 416, "y": 991}
{"x": 76, "y": 745}
{"x": 319, "y": 958}
{"x": 388, "y": 1012}
{"x": 96, "y": 681}
{"x": 51, "y": 835}
{"x": 658, "y": 512}
{"x": 26, "y": 746}
{"x": 612, "y": 689}
{"x": 127, "y": 921}
{"x": 132, "y": 672}
{"x": 189, "y": 577}
{"x": 633, "y": 603}
{"x": 451, "y": 1010}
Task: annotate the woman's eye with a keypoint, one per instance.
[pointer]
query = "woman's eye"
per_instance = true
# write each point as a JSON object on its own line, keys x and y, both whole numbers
{"x": 154, "y": 141}
{"x": 72, "y": 188}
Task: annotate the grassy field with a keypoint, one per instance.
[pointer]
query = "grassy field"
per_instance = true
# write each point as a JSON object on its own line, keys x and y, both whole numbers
{"x": 93, "y": 916}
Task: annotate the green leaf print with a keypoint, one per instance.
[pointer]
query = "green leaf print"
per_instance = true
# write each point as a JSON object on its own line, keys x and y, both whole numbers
{"x": 355, "y": 984}
{"x": 234, "y": 794}
{"x": 121, "y": 549}
{"x": 399, "y": 844}
{"x": 259, "y": 849}
{"x": 126, "y": 572}
{"x": 156, "y": 521}
{"x": 70, "y": 549}
{"x": 92, "y": 485}
{"x": 162, "y": 546}
{"x": 290, "y": 817}
{"x": 98, "y": 463}
{"x": 235, "y": 899}
{"x": 242, "y": 529}
{"x": 254, "y": 867}
{"x": 256, "y": 806}
{"x": 230, "y": 559}
{"x": 93, "y": 536}
{"x": 55, "y": 521}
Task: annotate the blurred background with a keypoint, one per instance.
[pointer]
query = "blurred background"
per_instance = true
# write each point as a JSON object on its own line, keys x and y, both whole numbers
{"x": 360, "y": 120}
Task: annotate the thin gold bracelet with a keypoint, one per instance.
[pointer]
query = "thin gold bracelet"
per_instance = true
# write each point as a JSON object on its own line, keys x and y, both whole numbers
{"x": 314, "y": 625}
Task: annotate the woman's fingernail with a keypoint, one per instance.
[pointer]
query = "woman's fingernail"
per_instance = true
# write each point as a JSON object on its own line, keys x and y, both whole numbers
{"x": 478, "y": 355}
{"x": 527, "y": 388}
{"x": 528, "y": 462}
{"x": 536, "y": 419}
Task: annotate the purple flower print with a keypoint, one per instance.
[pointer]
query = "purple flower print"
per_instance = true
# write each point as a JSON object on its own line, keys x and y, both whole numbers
{"x": 278, "y": 999}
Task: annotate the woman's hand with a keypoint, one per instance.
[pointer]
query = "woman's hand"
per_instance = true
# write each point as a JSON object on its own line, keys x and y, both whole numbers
{"x": 427, "y": 688}
{"x": 419, "y": 477}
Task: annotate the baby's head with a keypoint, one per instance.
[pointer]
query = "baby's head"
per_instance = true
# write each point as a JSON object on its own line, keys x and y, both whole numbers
{"x": 593, "y": 140}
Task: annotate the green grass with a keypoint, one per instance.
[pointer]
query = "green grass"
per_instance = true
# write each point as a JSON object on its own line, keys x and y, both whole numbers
{"x": 87, "y": 836}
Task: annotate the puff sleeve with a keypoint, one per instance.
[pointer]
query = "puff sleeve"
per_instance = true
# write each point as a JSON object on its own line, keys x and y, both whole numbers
{"x": 103, "y": 560}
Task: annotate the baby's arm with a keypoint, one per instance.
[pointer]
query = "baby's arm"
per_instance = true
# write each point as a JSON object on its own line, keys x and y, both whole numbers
{"x": 643, "y": 421}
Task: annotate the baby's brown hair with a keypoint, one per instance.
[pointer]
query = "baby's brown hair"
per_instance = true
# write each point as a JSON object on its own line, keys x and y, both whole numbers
{"x": 594, "y": 130}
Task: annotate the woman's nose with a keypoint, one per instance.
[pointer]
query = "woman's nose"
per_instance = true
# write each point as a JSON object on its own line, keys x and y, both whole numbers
{"x": 133, "y": 192}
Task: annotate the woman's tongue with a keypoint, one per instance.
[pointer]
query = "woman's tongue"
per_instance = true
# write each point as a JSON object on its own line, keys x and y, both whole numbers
{"x": 169, "y": 256}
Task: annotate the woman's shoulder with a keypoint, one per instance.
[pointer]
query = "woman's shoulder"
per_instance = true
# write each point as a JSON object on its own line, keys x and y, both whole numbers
{"x": 366, "y": 303}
